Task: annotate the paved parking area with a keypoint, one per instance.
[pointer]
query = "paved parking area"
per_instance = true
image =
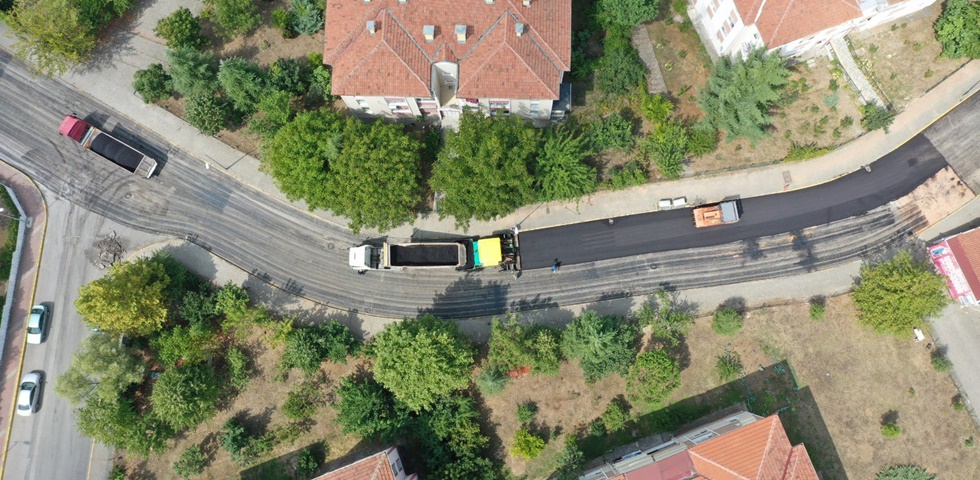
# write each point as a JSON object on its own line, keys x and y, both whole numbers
{"x": 958, "y": 330}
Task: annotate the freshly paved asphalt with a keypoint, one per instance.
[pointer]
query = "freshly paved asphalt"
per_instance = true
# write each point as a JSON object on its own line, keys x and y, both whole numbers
{"x": 302, "y": 254}
{"x": 890, "y": 178}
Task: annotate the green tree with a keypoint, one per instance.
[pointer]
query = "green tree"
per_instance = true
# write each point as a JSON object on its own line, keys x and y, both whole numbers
{"x": 185, "y": 396}
{"x": 727, "y": 321}
{"x": 193, "y": 72}
{"x": 617, "y": 415}
{"x": 667, "y": 145}
{"x": 209, "y": 113}
{"x": 115, "y": 422}
{"x": 183, "y": 344}
{"x": 611, "y": 132}
{"x": 896, "y": 295}
{"x": 51, "y": 34}
{"x": 101, "y": 367}
{"x": 232, "y": 301}
{"x": 570, "y": 460}
{"x": 602, "y": 344}
{"x": 703, "y": 139}
{"x": 448, "y": 439}
{"x": 631, "y": 174}
{"x": 875, "y": 117}
{"x": 307, "y": 16}
{"x": 526, "y": 445}
{"x": 514, "y": 346}
{"x": 668, "y": 322}
{"x": 307, "y": 347}
{"x": 958, "y": 29}
{"x": 620, "y": 71}
{"x": 562, "y": 173}
{"x": 242, "y": 82}
{"x": 375, "y": 180}
{"x": 239, "y": 367}
{"x": 97, "y": 13}
{"x": 526, "y": 413}
{"x": 127, "y": 300}
{"x": 190, "y": 463}
{"x": 153, "y": 83}
{"x": 905, "y": 472}
{"x": 200, "y": 309}
{"x": 274, "y": 110}
{"x": 181, "y": 29}
{"x": 653, "y": 377}
{"x": 627, "y": 13}
{"x": 303, "y": 400}
{"x": 300, "y": 154}
{"x": 421, "y": 359}
{"x": 484, "y": 170}
{"x": 367, "y": 409}
{"x": 740, "y": 93}
{"x": 233, "y": 17}
{"x": 290, "y": 75}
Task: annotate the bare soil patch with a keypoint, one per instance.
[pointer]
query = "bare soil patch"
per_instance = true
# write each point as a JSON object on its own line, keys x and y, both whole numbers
{"x": 938, "y": 196}
{"x": 903, "y": 58}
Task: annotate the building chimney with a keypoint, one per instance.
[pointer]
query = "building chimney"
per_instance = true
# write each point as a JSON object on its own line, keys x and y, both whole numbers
{"x": 429, "y": 31}
{"x": 527, "y": 3}
{"x": 519, "y": 28}
{"x": 370, "y": 27}
{"x": 461, "y": 33}
{"x": 402, "y": 2}
{"x": 488, "y": 2}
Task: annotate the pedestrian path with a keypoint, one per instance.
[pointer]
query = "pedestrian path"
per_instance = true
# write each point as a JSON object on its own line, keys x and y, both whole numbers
{"x": 842, "y": 51}
{"x": 139, "y": 48}
{"x": 644, "y": 47}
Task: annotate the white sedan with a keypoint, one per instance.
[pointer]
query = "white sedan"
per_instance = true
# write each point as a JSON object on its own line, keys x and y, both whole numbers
{"x": 27, "y": 396}
{"x": 37, "y": 325}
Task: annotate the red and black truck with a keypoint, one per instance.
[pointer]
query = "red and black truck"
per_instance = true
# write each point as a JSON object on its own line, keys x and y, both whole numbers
{"x": 107, "y": 146}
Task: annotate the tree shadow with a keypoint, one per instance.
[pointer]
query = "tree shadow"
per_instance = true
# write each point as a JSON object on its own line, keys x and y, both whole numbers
{"x": 802, "y": 246}
{"x": 751, "y": 250}
{"x": 455, "y": 301}
{"x": 889, "y": 418}
{"x": 619, "y": 303}
{"x": 735, "y": 303}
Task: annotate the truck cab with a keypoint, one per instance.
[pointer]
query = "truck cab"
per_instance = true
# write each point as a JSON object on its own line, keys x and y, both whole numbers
{"x": 363, "y": 258}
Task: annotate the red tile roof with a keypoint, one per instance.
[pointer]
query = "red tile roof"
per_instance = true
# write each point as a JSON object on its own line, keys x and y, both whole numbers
{"x": 375, "y": 467}
{"x": 493, "y": 62}
{"x": 758, "y": 451}
{"x": 783, "y": 21}
{"x": 966, "y": 249}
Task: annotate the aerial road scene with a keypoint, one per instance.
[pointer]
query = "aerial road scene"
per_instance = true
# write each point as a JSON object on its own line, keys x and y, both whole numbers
{"x": 490, "y": 239}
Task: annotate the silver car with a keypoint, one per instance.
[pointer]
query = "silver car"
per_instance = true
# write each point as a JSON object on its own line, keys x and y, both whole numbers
{"x": 37, "y": 325}
{"x": 27, "y": 396}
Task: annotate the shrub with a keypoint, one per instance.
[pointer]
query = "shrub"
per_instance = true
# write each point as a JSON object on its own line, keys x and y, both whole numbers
{"x": 729, "y": 366}
{"x": 153, "y": 83}
{"x": 239, "y": 368}
{"x": 656, "y": 108}
{"x": 234, "y": 17}
{"x": 626, "y": 13}
{"x": 491, "y": 381}
{"x": 282, "y": 20}
{"x": 805, "y": 151}
{"x": 632, "y": 174}
{"x": 611, "y": 132}
{"x": 668, "y": 323}
{"x": 876, "y": 117}
{"x": 307, "y": 347}
{"x": 653, "y": 377}
{"x": 183, "y": 344}
{"x": 243, "y": 447}
{"x": 890, "y": 430}
{"x": 904, "y": 472}
{"x": 616, "y": 416}
{"x": 303, "y": 401}
{"x": 526, "y": 412}
{"x": 817, "y": 311}
{"x": 289, "y": 75}
{"x": 307, "y": 16}
{"x": 727, "y": 321}
{"x": 274, "y": 110}
{"x": 513, "y": 346}
{"x": 190, "y": 463}
{"x": 526, "y": 444}
{"x": 308, "y": 462}
{"x": 603, "y": 345}
{"x": 667, "y": 145}
{"x": 118, "y": 473}
{"x": 702, "y": 140}
{"x": 896, "y": 295}
{"x": 200, "y": 311}
{"x": 319, "y": 76}
{"x": 941, "y": 363}
{"x": 181, "y": 29}
{"x": 620, "y": 71}
{"x": 209, "y": 113}
{"x": 185, "y": 396}
{"x": 193, "y": 72}
{"x": 242, "y": 82}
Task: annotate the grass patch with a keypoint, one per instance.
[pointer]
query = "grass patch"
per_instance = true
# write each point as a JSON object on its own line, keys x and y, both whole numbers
{"x": 10, "y": 235}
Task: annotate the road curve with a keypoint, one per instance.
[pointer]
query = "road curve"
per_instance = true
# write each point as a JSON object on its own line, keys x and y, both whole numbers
{"x": 307, "y": 256}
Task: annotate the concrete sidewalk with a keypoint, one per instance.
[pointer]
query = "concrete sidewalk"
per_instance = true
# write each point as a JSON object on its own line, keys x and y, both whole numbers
{"x": 111, "y": 73}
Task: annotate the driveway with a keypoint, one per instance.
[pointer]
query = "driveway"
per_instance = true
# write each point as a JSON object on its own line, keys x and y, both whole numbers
{"x": 958, "y": 330}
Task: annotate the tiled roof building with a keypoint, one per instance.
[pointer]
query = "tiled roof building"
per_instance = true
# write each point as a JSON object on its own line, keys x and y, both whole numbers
{"x": 958, "y": 259}
{"x": 409, "y": 58}
{"x": 794, "y": 27}
{"x": 741, "y": 446}
{"x": 386, "y": 465}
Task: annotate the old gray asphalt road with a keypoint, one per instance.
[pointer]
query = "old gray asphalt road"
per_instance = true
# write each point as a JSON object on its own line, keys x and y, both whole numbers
{"x": 47, "y": 445}
{"x": 307, "y": 256}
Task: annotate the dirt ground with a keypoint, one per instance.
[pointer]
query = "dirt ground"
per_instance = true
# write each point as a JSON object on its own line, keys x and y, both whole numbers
{"x": 903, "y": 58}
{"x": 258, "y": 405}
{"x": 938, "y": 196}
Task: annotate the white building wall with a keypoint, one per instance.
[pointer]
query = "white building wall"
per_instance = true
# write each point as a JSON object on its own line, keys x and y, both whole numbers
{"x": 380, "y": 107}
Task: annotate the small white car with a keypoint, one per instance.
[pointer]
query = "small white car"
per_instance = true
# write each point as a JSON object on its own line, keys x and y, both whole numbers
{"x": 37, "y": 325}
{"x": 30, "y": 391}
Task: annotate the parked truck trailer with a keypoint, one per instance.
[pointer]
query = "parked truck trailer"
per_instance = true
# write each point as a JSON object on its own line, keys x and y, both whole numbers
{"x": 716, "y": 214}
{"x": 501, "y": 250}
{"x": 107, "y": 146}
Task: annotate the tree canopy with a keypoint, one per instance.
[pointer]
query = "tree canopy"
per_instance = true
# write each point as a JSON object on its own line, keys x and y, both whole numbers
{"x": 375, "y": 180}
{"x": 652, "y": 378}
{"x": 193, "y": 72}
{"x": 368, "y": 409}
{"x": 514, "y": 346}
{"x": 308, "y": 346}
{"x": 897, "y": 295}
{"x": 741, "y": 92}
{"x": 485, "y": 168}
{"x": 420, "y": 360}
{"x": 101, "y": 367}
{"x": 603, "y": 345}
{"x": 51, "y": 34}
{"x": 243, "y": 83}
{"x": 185, "y": 396}
{"x": 562, "y": 173}
{"x": 627, "y": 13}
{"x": 180, "y": 29}
{"x": 130, "y": 299}
{"x": 300, "y": 154}
{"x": 905, "y": 472}
{"x": 958, "y": 29}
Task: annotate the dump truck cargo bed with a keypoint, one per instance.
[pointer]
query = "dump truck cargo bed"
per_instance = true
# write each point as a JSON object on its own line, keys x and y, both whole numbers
{"x": 426, "y": 255}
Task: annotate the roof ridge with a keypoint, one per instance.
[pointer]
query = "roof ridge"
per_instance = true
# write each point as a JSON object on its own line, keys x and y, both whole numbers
{"x": 348, "y": 40}
{"x": 549, "y": 52}
{"x": 772, "y": 431}
{"x": 715, "y": 463}
{"x": 407, "y": 33}
{"x": 524, "y": 60}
